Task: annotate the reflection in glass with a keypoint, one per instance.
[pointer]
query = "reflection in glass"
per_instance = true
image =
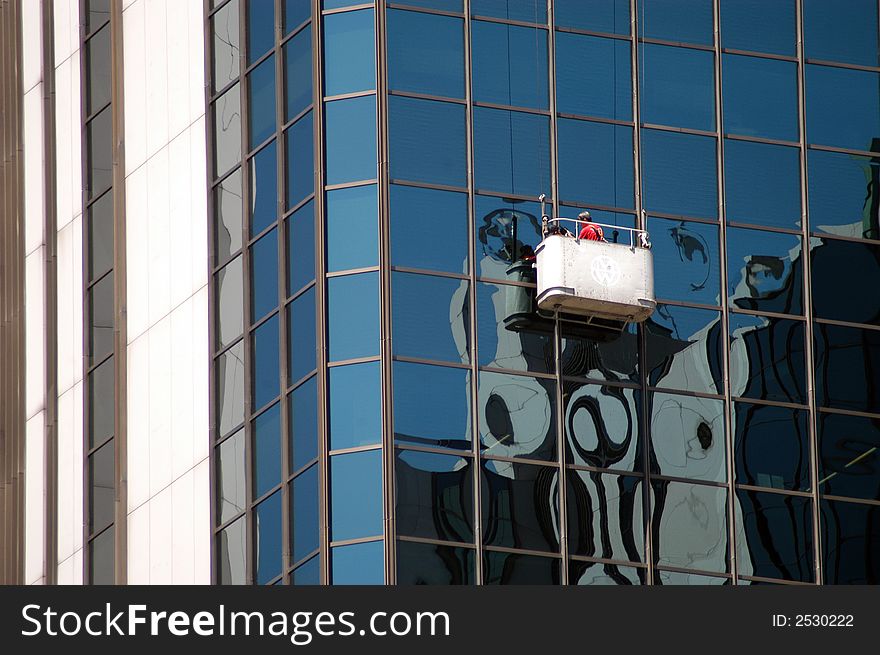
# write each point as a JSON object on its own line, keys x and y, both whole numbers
{"x": 509, "y": 64}
{"x": 849, "y": 455}
{"x": 267, "y": 546}
{"x": 301, "y": 247}
{"x": 355, "y": 404}
{"x": 102, "y": 558}
{"x": 102, "y": 391}
{"x": 102, "y": 487}
{"x": 517, "y": 416}
{"x": 595, "y": 163}
{"x": 512, "y": 151}
{"x": 747, "y": 79}
{"x": 260, "y": 28}
{"x": 690, "y": 526}
{"x": 842, "y": 274}
{"x": 520, "y": 505}
{"x": 232, "y": 554}
{"x": 843, "y": 107}
{"x": 602, "y": 425}
{"x": 412, "y": 211}
{"x": 267, "y": 450}
{"x": 100, "y": 151}
{"x": 844, "y": 193}
{"x": 303, "y": 403}
{"x": 775, "y": 536}
{"x": 759, "y": 26}
{"x": 356, "y": 495}
{"x": 101, "y": 319}
{"x": 227, "y": 131}
{"x": 261, "y": 102}
{"x": 679, "y": 173}
{"x": 98, "y": 70}
{"x": 428, "y": 141}
{"x": 304, "y": 513}
{"x": 764, "y": 270}
{"x": 227, "y": 50}
{"x": 677, "y": 86}
{"x": 596, "y": 574}
{"x": 228, "y": 217}
{"x": 609, "y": 16}
{"x": 510, "y": 569}
{"x": 849, "y": 536}
{"x": 299, "y": 139}
{"x": 349, "y": 52}
{"x": 686, "y": 259}
{"x": 432, "y": 405}
{"x": 605, "y": 516}
{"x": 230, "y": 303}
{"x": 265, "y": 368}
{"x": 360, "y": 564}
{"x": 230, "y": 389}
{"x": 673, "y": 20}
{"x": 684, "y": 349}
{"x": 762, "y": 184}
{"x": 350, "y": 137}
{"x": 617, "y": 359}
{"x": 846, "y": 33}
{"x": 301, "y": 336}
{"x": 431, "y": 564}
{"x": 353, "y": 316}
{"x": 434, "y": 496}
{"x": 352, "y": 228}
{"x": 767, "y": 358}
{"x": 771, "y": 446}
{"x": 847, "y": 361}
{"x": 231, "y": 476}
{"x": 593, "y": 74}
{"x": 430, "y": 317}
{"x": 494, "y": 222}
{"x": 298, "y": 72}
{"x": 433, "y": 66}
{"x": 687, "y": 437}
{"x": 263, "y": 190}
{"x": 101, "y": 236}
{"x": 679, "y": 578}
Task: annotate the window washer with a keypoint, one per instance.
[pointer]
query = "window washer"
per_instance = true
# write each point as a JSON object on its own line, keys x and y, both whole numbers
{"x": 590, "y": 230}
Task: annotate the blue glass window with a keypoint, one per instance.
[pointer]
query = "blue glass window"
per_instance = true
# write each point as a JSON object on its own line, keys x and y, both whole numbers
{"x": 767, "y": 358}
{"x": 300, "y": 160}
{"x": 260, "y": 28}
{"x": 681, "y": 338}
{"x": 494, "y": 219}
{"x": 593, "y": 76}
{"x": 510, "y": 64}
{"x": 298, "y": 73}
{"x": 843, "y": 107}
{"x": 512, "y": 151}
{"x": 296, "y": 12}
{"x": 264, "y": 189}
{"x": 687, "y": 21}
{"x": 353, "y": 316}
{"x": 686, "y": 260}
{"x": 355, "y": 404}
{"x": 430, "y": 317}
{"x": 760, "y": 97}
{"x": 264, "y": 275}
{"x": 759, "y": 25}
{"x": 351, "y": 140}
{"x": 267, "y": 450}
{"x": 304, "y": 513}
{"x": 533, "y": 11}
{"x": 842, "y": 193}
{"x": 610, "y": 16}
{"x": 679, "y": 173}
{"x": 267, "y": 544}
{"x": 845, "y": 32}
{"x": 842, "y": 273}
{"x": 349, "y": 52}
{"x": 303, "y": 403}
{"x": 849, "y": 456}
{"x": 772, "y": 446}
{"x": 431, "y": 405}
{"x": 301, "y": 325}
{"x": 308, "y": 573}
{"x": 265, "y": 362}
{"x": 301, "y": 247}
{"x": 352, "y": 228}
{"x": 429, "y": 229}
{"x": 428, "y": 142}
{"x": 356, "y": 495}
{"x": 434, "y": 66}
{"x": 359, "y": 564}
{"x": 762, "y": 184}
{"x": 595, "y": 163}
{"x": 445, "y": 5}
{"x": 847, "y": 360}
{"x": 764, "y": 270}
{"x": 677, "y": 86}
{"x": 261, "y": 102}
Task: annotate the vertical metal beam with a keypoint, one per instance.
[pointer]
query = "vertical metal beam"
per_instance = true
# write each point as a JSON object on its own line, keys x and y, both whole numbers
{"x": 84, "y": 236}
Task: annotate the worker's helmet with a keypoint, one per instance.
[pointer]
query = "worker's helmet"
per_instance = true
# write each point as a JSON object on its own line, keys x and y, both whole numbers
{"x": 584, "y": 216}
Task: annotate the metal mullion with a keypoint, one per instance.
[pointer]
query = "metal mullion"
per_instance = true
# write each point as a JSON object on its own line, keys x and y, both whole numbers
{"x": 434, "y": 449}
{"x": 517, "y": 108}
{"x": 429, "y": 272}
{"x": 296, "y": 384}
{"x": 513, "y": 373}
{"x": 688, "y": 303}
{"x": 847, "y": 324}
{"x": 348, "y": 96}
{"x": 294, "y": 31}
{"x": 549, "y": 554}
{"x": 353, "y": 271}
{"x": 842, "y": 64}
{"x": 281, "y": 117}
{"x": 599, "y": 382}
{"x": 250, "y": 154}
{"x": 572, "y": 204}
{"x": 677, "y": 44}
{"x": 505, "y": 197}
{"x": 226, "y": 524}
{"x": 431, "y": 362}
{"x": 679, "y": 130}
{"x": 586, "y": 118}
{"x": 761, "y": 139}
{"x": 743, "y": 311}
{"x": 764, "y": 228}
{"x": 509, "y": 21}
{"x": 92, "y": 450}
{"x": 758, "y": 54}
{"x": 303, "y": 560}
{"x": 605, "y": 560}
{"x": 302, "y": 203}
{"x": 776, "y": 491}
{"x": 510, "y": 283}
{"x": 350, "y": 185}
{"x": 357, "y": 540}
{"x": 777, "y": 581}
{"x": 584, "y": 32}
{"x": 847, "y": 412}
{"x": 843, "y": 151}
{"x": 424, "y": 10}
{"x": 437, "y": 542}
{"x": 298, "y": 293}
{"x": 302, "y": 469}
{"x": 682, "y": 217}
{"x": 354, "y": 7}
{"x": 355, "y": 360}
{"x": 686, "y": 392}
{"x": 543, "y": 463}
{"x": 769, "y": 403}
{"x": 91, "y": 31}
{"x": 691, "y": 481}
{"x": 605, "y": 471}
{"x": 356, "y": 449}
{"x": 426, "y": 96}
{"x": 838, "y": 237}
{"x": 809, "y": 342}
{"x": 703, "y": 572}
{"x": 91, "y": 117}
{"x": 850, "y": 499}
{"x": 262, "y": 409}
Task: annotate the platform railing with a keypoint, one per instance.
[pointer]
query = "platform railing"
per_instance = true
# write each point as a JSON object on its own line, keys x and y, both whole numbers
{"x": 637, "y": 238}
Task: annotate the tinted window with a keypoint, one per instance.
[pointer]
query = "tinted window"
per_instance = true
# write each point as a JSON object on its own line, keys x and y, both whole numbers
{"x": 767, "y": 358}
{"x": 227, "y": 131}
{"x": 429, "y": 229}
{"x": 430, "y": 317}
{"x": 494, "y": 220}
{"x": 352, "y": 228}
{"x": 350, "y": 135}
{"x": 762, "y": 184}
{"x": 299, "y": 139}
{"x": 517, "y": 416}
{"x": 764, "y": 270}
{"x": 512, "y": 151}
{"x": 230, "y": 303}
{"x": 842, "y": 193}
{"x": 100, "y": 150}
{"x": 349, "y": 52}
{"x": 304, "y": 513}
{"x": 434, "y": 66}
{"x": 298, "y": 73}
{"x": 355, "y": 404}
{"x": 759, "y": 25}
{"x": 432, "y": 405}
{"x": 533, "y": 11}
{"x": 227, "y": 50}
{"x": 610, "y": 16}
{"x": 843, "y": 107}
{"x": 227, "y": 222}
{"x": 679, "y": 173}
{"x": 267, "y": 541}
{"x": 846, "y": 33}
{"x": 835, "y": 295}
{"x": 231, "y": 477}
{"x": 301, "y": 338}
{"x": 264, "y": 275}
{"x": 593, "y": 76}
{"x": 849, "y": 456}
{"x": 677, "y": 86}
{"x": 687, "y": 437}
{"x": 602, "y": 426}
{"x": 301, "y": 247}
{"x": 261, "y": 102}
{"x": 263, "y": 189}
{"x": 686, "y": 259}
{"x": 509, "y": 569}
{"x": 303, "y": 403}
{"x": 102, "y": 487}
{"x": 231, "y": 554}
{"x": 771, "y": 446}
{"x": 295, "y": 12}
{"x": 593, "y": 573}
{"x": 847, "y": 361}
{"x": 419, "y": 563}
{"x": 684, "y": 349}
{"x": 359, "y": 564}
{"x": 102, "y": 390}
{"x": 353, "y": 314}
{"x": 760, "y": 97}
{"x": 230, "y": 389}
{"x": 602, "y": 517}
{"x": 265, "y": 362}
{"x": 101, "y": 319}
{"x": 267, "y": 450}
{"x": 690, "y": 521}
{"x": 356, "y": 495}
{"x": 849, "y": 535}
{"x": 260, "y": 28}
{"x": 689, "y": 21}
{"x": 595, "y": 163}
{"x": 509, "y": 64}
{"x": 98, "y": 70}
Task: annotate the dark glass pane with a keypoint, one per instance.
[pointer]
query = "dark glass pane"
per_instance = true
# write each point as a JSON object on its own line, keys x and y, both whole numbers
{"x": 494, "y": 220}
{"x": 605, "y": 516}
{"x": 759, "y": 25}
{"x": 595, "y": 163}
{"x": 301, "y": 247}
{"x": 843, "y": 107}
{"x": 102, "y": 556}
{"x": 267, "y": 450}
{"x": 771, "y": 446}
{"x": 849, "y": 455}
{"x": 760, "y": 97}
{"x": 355, "y": 405}
{"x": 349, "y": 52}
{"x": 98, "y": 70}
{"x": 687, "y": 437}
{"x": 430, "y": 564}
{"x": 846, "y": 32}
{"x": 352, "y": 228}
{"x": 102, "y": 487}
{"x": 593, "y": 76}
{"x": 611, "y": 16}
{"x": 533, "y": 11}
{"x": 97, "y": 12}
{"x": 429, "y": 229}
{"x": 762, "y": 184}
{"x": 517, "y": 416}
{"x": 304, "y": 518}
{"x": 434, "y": 496}
{"x": 261, "y": 102}
{"x": 296, "y": 12}
{"x": 764, "y": 270}
{"x": 265, "y": 362}
{"x": 359, "y": 564}
{"x": 302, "y": 340}
{"x": 260, "y": 28}
{"x": 509, "y": 64}
{"x": 617, "y": 359}
{"x": 679, "y": 173}
{"x": 767, "y": 358}
{"x": 680, "y": 578}
{"x": 775, "y": 536}
{"x": 430, "y": 317}
{"x": 298, "y": 73}
{"x": 445, "y": 5}
{"x": 232, "y": 554}
{"x": 844, "y": 193}
{"x": 264, "y": 275}
{"x": 231, "y": 485}
{"x": 688, "y": 21}
{"x": 227, "y": 217}
{"x": 512, "y": 151}
{"x": 100, "y": 236}
{"x": 594, "y": 573}
{"x": 353, "y": 314}
{"x": 850, "y": 534}
{"x": 356, "y": 495}
{"x": 227, "y": 131}
{"x": 428, "y": 141}
{"x": 350, "y": 134}
{"x": 684, "y": 349}
{"x": 230, "y": 389}
{"x": 101, "y": 319}
{"x": 268, "y": 540}
{"x": 300, "y": 144}
{"x": 100, "y": 151}
{"x": 847, "y": 367}
{"x": 686, "y": 259}
{"x": 690, "y": 526}
{"x": 227, "y": 50}
{"x": 434, "y": 66}
{"x": 432, "y": 405}
{"x": 230, "y": 303}
{"x": 677, "y": 86}
{"x": 308, "y": 573}
{"x": 304, "y": 423}
{"x": 602, "y": 426}
{"x": 508, "y": 568}
{"x": 842, "y": 272}
{"x": 264, "y": 189}
{"x": 102, "y": 391}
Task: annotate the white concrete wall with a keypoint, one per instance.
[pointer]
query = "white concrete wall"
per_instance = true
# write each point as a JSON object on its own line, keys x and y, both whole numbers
{"x": 168, "y": 350}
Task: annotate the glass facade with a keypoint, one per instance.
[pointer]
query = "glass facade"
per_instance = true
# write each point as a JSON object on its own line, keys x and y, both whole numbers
{"x": 377, "y": 419}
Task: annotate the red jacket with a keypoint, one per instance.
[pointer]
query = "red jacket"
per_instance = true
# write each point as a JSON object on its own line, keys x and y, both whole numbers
{"x": 591, "y": 232}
